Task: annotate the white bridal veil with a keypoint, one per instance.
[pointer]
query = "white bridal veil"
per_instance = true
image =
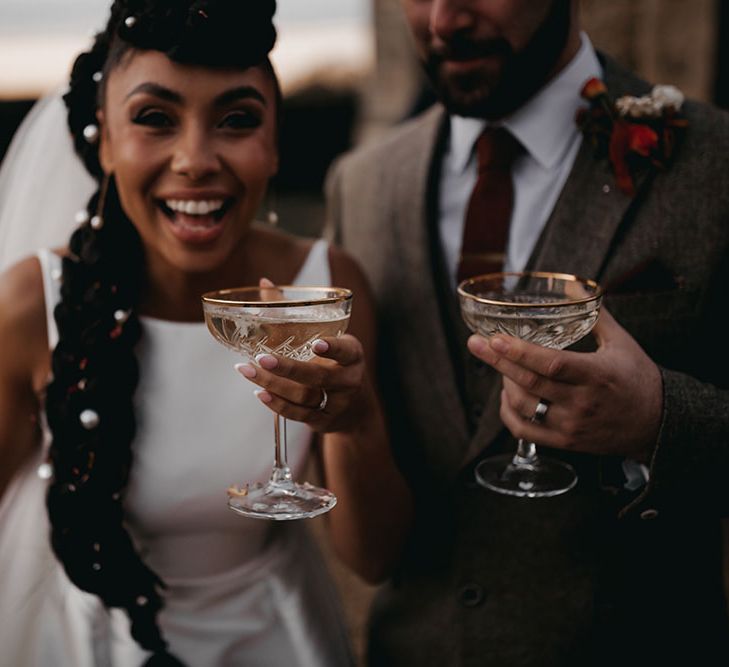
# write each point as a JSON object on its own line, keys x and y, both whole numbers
{"x": 42, "y": 184}
{"x": 42, "y": 617}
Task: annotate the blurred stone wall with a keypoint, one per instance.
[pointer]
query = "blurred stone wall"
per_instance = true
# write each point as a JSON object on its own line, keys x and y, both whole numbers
{"x": 665, "y": 41}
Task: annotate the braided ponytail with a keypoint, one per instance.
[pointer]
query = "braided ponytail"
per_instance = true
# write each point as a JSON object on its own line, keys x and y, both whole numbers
{"x": 95, "y": 372}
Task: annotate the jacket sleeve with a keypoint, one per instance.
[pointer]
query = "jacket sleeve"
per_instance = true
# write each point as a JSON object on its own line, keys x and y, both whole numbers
{"x": 690, "y": 463}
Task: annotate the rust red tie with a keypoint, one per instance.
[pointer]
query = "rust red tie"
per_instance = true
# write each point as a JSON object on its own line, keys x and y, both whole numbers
{"x": 488, "y": 215}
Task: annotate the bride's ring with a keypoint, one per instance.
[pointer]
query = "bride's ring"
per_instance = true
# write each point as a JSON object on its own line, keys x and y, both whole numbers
{"x": 324, "y": 400}
{"x": 540, "y": 412}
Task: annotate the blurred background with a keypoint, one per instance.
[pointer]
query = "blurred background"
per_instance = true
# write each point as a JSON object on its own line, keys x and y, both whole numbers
{"x": 348, "y": 71}
{"x": 348, "y": 74}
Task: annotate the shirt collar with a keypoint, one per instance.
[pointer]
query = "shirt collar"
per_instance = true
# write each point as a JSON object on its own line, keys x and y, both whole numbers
{"x": 545, "y": 125}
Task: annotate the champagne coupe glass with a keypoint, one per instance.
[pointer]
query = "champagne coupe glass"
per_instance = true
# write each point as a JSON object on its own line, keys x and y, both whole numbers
{"x": 283, "y": 320}
{"x": 550, "y": 309}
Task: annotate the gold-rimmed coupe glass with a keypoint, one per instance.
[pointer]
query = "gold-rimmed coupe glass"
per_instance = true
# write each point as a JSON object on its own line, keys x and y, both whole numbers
{"x": 554, "y": 310}
{"x": 283, "y": 320}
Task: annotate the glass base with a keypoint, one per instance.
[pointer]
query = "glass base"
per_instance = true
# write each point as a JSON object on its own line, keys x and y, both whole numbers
{"x": 283, "y": 502}
{"x": 541, "y": 479}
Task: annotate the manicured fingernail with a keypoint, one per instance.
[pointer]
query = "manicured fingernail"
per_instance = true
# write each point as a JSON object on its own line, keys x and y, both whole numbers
{"x": 263, "y": 396}
{"x": 266, "y": 361}
{"x": 500, "y": 345}
{"x": 246, "y": 370}
{"x": 320, "y": 346}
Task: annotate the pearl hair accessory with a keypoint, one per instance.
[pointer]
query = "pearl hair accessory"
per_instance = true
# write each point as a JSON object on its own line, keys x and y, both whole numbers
{"x": 121, "y": 316}
{"x": 272, "y": 218}
{"x": 89, "y": 419}
{"x": 81, "y": 217}
{"x": 97, "y": 220}
{"x": 91, "y": 133}
{"x": 130, "y": 21}
{"x": 97, "y": 77}
{"x": 45, "y": 471}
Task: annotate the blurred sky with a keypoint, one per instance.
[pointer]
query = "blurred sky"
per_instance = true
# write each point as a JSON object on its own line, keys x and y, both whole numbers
{"x": 317, "y": 38}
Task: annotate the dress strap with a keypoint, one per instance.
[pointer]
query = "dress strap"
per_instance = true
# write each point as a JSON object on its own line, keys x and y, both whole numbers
{"x": 51, "y": 267}
{"x": 316, "y": 270}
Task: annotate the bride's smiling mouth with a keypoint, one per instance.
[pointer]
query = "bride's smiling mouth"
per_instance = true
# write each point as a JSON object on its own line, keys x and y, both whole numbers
{"x": 196, "y": 220}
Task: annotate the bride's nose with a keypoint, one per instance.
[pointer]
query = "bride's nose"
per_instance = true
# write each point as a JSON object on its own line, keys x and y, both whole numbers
{"x": 194, "y": 153}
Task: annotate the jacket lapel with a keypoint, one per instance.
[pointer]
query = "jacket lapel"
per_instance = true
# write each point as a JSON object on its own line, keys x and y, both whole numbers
{"x": 447, "y": 426}
{"x": 591, "y": 210}
{"x": 579, "y": 235}
{"x": 587, "y": 218}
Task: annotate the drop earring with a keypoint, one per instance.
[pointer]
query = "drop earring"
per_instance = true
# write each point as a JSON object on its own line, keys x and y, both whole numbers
{"x": 97, "y": 220}
{"x": 272, "y": 215}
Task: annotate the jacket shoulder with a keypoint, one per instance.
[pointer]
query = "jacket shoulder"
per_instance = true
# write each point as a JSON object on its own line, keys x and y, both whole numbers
{"x": 395, "y": 144}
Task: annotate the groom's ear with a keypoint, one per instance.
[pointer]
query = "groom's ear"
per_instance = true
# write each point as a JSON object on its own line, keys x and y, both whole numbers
{"x": 105, "y": 158}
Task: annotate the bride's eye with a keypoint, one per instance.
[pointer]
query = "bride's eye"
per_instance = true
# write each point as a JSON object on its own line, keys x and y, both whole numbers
{"x": 241, "y": 120}
{"x": 152, "y": 118}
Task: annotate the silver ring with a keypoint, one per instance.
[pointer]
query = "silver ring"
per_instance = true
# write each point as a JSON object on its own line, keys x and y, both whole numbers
{"x": 540, "y": 412}
{"x": 324, "y": 400}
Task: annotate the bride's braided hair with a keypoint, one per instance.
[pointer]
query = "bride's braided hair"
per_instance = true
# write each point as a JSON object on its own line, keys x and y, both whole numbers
{"x": 89, "y": 401}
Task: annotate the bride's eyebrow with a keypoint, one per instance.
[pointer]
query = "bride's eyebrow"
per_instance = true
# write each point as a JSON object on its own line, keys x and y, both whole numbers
{"x": 239, "y": 93}
{"x": 156, "y": 90}
{"x": 224, "y": 99}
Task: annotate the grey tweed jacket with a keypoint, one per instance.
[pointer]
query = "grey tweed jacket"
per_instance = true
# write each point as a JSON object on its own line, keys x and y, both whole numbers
{"x": 601, "y": 575}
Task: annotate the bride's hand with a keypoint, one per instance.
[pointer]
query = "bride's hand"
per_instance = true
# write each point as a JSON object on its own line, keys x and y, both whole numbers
{"x": 329, "y": 393}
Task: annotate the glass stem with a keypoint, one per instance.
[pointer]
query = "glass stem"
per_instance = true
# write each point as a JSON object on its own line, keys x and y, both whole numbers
{"x": 526, "y": 454}
{"x": 281, "y": 473}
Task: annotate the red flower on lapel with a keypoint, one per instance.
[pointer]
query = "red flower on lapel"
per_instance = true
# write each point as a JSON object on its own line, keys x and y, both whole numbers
{"x": 634, "y": 132}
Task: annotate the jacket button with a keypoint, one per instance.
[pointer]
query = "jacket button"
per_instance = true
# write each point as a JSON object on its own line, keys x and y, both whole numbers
{"x": 648, "y": 514}
{"x": 471, "y": 595}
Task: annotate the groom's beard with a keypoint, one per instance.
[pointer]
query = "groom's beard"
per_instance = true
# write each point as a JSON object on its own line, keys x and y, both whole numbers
{"x": 484, "y": 93}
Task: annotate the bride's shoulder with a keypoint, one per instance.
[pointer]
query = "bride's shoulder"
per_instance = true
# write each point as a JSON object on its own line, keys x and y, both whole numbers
{"x": 22, "y": 301}
{"x": 279, "y": 250}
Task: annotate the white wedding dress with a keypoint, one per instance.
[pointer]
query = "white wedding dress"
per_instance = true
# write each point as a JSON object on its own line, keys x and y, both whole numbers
{"x": 240, "y": 591}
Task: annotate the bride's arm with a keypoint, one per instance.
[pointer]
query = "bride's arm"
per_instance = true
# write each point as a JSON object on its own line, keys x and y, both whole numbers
{"x": 22, "y": 345}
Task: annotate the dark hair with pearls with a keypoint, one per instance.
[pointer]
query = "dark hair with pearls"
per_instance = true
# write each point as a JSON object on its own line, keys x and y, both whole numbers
{"x": 89, "y": 401}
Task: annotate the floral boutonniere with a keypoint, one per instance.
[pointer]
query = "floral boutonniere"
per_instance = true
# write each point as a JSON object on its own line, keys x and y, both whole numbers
{"x": 633, "y": 131}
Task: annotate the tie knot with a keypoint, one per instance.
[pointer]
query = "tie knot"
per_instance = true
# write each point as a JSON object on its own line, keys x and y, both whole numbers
{"x": 496, "y": 148}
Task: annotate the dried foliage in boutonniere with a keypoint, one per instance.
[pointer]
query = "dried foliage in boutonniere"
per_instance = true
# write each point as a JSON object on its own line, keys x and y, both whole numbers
{"x": 634, "y": 131}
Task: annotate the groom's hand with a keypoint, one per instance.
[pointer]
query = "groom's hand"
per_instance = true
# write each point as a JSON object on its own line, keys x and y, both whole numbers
{"x": 604, "y": 402}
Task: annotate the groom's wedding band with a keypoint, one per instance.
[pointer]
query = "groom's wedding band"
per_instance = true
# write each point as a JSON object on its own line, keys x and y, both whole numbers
{"x": 540, "y": 412}
{"x": 324, "y": 399}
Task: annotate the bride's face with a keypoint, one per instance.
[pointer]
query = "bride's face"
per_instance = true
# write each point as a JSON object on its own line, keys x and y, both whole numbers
{"x": 192, "y": 150}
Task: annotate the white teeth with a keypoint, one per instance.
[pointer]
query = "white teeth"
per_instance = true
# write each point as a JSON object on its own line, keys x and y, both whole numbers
{"x": 194, "y": 207}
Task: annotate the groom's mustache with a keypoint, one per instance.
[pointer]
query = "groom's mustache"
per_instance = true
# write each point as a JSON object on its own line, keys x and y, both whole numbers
{"x": 460, "y": 47}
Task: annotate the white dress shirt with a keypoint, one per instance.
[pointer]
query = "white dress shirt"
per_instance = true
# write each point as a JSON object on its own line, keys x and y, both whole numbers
{"x": 546, "y": 128}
